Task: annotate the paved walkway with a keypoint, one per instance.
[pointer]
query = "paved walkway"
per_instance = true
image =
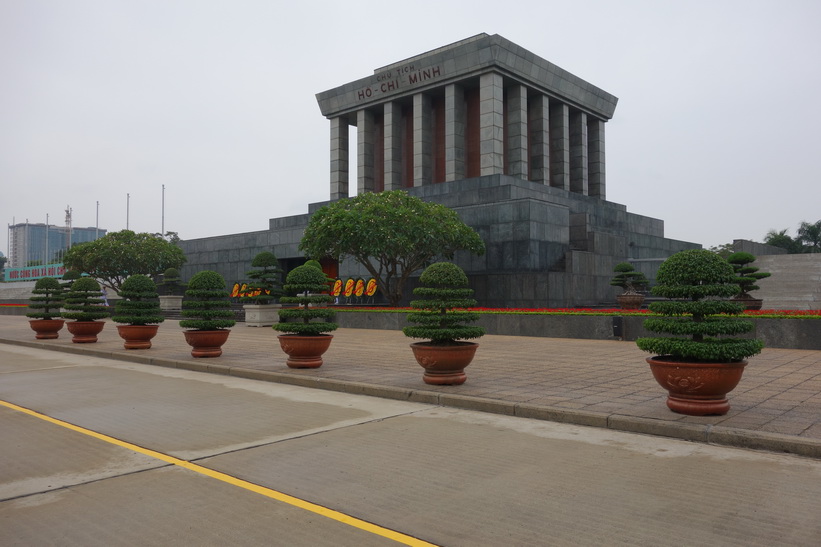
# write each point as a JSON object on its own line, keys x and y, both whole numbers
{"x": 600, "y": 383}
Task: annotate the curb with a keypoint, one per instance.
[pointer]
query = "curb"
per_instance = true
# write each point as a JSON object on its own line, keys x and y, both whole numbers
{"x": 706, "y": 434}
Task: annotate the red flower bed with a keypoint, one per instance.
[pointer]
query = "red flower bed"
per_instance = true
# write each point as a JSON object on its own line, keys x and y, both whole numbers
{"x": 582, "y": 311}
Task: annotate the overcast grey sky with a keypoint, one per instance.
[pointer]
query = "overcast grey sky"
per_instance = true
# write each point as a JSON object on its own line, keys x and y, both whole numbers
{"x": 716, "y": 131}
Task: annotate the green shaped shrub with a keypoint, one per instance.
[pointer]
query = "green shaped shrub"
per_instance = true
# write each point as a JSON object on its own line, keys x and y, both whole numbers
{"x": 439, "y": 318}
{"x": 306, "y": 283}
{"x": 696, "y": 280}
{"x": 171, "y": 284}
{"x": 206, "y": 305}
{"x": 314, "y": 264}
{"x": 746, "y": 276}
{"x": 84, "y": 301}
{"x": 140, "y": 304}
{"x": 266, "y": 279}
{"x": 46, "y": 299}
{"x": 630, "y": 280}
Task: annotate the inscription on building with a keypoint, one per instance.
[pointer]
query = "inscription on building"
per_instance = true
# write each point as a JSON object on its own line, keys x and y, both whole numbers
{"x": 398, "y": 78}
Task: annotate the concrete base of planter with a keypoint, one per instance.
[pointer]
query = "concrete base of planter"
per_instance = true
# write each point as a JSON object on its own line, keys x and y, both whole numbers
{"x": 171, "y": 303}
{"x": 261, "y": 315}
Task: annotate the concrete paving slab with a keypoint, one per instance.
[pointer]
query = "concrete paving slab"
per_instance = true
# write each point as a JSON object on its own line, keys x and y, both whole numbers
{"x": 38, "y": 457}
{"x": 180, "y": 412}
{"x": 169, "y": 506}
{"x": 469, "y": 478}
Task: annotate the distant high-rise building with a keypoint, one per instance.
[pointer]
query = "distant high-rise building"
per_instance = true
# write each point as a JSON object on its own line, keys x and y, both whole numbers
{"x": 44, "y": 243}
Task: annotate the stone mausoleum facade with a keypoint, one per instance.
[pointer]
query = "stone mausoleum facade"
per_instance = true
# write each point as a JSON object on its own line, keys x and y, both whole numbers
{"x": 514, "y": 144}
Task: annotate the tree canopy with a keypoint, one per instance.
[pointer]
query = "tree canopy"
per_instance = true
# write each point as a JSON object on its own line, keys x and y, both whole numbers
{"x": 807, "y": 240}
{"x": 113, "y": 257}
{"x": 391, "y": 234}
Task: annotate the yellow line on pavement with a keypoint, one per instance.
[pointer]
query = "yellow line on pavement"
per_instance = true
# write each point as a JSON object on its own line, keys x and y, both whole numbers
{"x": 267, "y": 492}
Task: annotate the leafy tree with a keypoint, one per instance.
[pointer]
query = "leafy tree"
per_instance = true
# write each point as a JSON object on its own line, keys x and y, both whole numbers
{"x": 391, "y": 234}
{"x": 3, "y": 260}
{"x": 115, "y": 256}
{"x": 783, "y": 240}
{"x": 810, "y": 236}
{"x": 724, "y": 250}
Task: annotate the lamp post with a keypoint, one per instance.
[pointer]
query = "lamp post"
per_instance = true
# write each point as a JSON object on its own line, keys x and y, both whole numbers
{"x": 127, "y": 207}
{"x": 97, "y": 226}
{"x": 162, "y": 224}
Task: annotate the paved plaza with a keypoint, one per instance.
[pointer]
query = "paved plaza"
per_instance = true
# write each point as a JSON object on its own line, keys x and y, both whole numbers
{"x": 607, "y": 384}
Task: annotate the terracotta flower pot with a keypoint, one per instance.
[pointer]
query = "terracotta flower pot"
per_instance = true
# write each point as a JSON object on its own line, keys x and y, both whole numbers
{"x": 46, "y": 329}
{"x": 444, "y": 365}
{"x": 630, "y": 301}
{"x": 206, "y": 343}
{"x": 84, "y": 332}
{"x": 697, "y": 389}
{"x": 137, "y": 336}
{"x": 304, "y": 351}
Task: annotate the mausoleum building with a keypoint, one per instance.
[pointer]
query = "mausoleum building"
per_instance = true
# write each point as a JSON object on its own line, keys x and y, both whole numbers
{"x": 514, "y": 144}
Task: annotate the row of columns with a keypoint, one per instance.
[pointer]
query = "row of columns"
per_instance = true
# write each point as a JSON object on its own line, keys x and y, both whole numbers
{"x": 539, "y": 139}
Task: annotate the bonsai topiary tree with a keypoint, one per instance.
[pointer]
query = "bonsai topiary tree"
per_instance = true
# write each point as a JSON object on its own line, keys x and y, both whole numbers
{"x": 306, "y": 283}
{"x": 46, "y": 299}
{"x": 85, "y": 302}
{"x": 171, "y": 284}
{"x": 695, "y": 279}
{"x": 265, "y": 285}
{"x": 206, "y": 306}
{"x": 746, "y": 276}
{"x": 139, "y": 305}
{"x": 139, "y": 310}
{"x": 314, "y": 264}
{"x": 630, "y": 280}
{"x": 440, "y": 318}
{"x": 44, "y": 308}
{"x": 701, "y": 362}
{"x": 444, "y": 290}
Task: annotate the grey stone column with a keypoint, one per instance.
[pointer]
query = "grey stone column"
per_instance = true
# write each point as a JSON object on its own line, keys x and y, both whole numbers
{"x": 578, "y": 153}
{"x": 455, "y": 120}
{"x": 539, "y": 110}
{"x": 393, "y": 146}
{"x": 364, "y": 151}
{"x": 339, "y": 158}
{"x": 595, "y": 158}
{"x": 517, "y": 154}
{"x": 559, "y": 146}
{"x": 422, "y": 140}
{"x": 491, "y": 124}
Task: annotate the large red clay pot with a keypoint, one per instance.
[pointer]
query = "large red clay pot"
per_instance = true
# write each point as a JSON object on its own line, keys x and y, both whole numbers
{"x": 206, "y": 343}
{"x": 46, "y": 329}
{"x": 697, "y": 389}
{"x": 84, "y": 332}
{"x": 137, "y": 336}
{"x": 304, "y": 351}
{"x": 444, "y": 365}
